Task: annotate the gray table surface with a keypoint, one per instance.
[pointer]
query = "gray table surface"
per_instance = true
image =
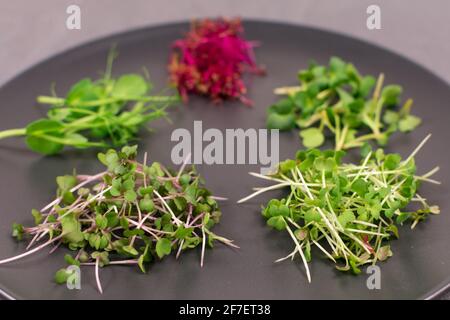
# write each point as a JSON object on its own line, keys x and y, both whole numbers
{"x": 31, "y": 31}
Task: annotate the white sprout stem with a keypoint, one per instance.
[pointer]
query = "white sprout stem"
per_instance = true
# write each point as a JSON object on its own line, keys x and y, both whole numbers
{"x": 144, "y": 219}
{"x": 139, "y": 212}
{"x": 78, "y": 186}
{"x": 364, "y": 223}
{"x": 150, "y": 231}
{"x": 367, "y": 232}
{"x": 117, "y": 262}
{"x": 186, "y": 160}
{"x": 84, "y": 204}
{"x": 179, "y": 249}
{"x": 427, "y": 180}
{"x": 97, "y": 278}
{"x": 202, "y": 257}
{"x": 431, "y": 172}
{"x": 274, "y": 187}
{"x": 226, "y": 241}
{"x": 174, "y": 217}
{"x": 36, "y": 237}
{"x": 300, "y": 250}
{"x": 417, "y": 149}
{"x": 324, "y": 217}
{"x": 20, "y": 256}
{"x": 218, "y": 198}
{"x": 288, "y": 256}
{"x": 55, "y": 247}
{"x": 262, "y": 176}
{"x": 324, "y": 251}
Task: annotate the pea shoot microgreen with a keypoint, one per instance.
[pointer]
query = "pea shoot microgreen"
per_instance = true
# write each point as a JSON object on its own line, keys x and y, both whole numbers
{"x": 130, "y": 214}
{"x": 337, "y": 100}
{"x": 348, "y": 211}
{"x": 95, "y": 113}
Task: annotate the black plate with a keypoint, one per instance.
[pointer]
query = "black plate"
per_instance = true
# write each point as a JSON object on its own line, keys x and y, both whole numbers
{"x": 418, "y": 269}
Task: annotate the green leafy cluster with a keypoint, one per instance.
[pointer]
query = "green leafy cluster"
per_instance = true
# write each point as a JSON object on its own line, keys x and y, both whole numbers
{"x": 133, "y": 213}
{"x": 348, "y": 211}
{"x": 337, "y": 100}
{"x": 95, "y": 113}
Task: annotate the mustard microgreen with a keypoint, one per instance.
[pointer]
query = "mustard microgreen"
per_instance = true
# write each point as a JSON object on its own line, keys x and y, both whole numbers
{"x": 336, "y": 100}
{"x": 348, "y": 211}
{"x": 132, "y": 213}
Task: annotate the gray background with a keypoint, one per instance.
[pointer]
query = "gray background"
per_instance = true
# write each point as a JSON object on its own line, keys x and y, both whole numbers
{"x": 32, "y": 31}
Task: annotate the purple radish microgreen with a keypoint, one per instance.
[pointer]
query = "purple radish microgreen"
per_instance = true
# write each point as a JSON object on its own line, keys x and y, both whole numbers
{"x": 131, "y": 214}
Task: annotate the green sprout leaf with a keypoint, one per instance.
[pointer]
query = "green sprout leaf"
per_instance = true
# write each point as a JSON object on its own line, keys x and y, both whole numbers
{"x": 312, "y": 137}
{"x": 163, "y": 247}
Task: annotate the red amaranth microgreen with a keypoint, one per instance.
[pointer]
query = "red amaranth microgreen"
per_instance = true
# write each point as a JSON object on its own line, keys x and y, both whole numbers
{"x": 211, "y": 59}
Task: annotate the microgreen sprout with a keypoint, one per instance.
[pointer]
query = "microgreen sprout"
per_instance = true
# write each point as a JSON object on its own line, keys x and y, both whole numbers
{"x": 130, "y": 214}
{"x": 337, "y": 100}
{"x": 211, "y": 60}
{"x": 95, "y": 113}
{"x": 349, "y": 212}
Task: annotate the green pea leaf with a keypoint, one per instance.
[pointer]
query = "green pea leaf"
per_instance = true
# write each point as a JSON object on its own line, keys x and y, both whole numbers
{"x": 82, "y": 91}
{"x": 41, "y": 135}
{"x": 130, "y": 86}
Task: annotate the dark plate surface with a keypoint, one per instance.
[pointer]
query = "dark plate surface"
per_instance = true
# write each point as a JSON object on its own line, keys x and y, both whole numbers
{"x": 421, "y": 262}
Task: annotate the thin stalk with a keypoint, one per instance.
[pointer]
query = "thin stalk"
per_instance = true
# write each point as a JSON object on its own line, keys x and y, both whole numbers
{"x": 23, "y": 255}
{"x": 97, "y": 277}
{"x": 13, "y": 133}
